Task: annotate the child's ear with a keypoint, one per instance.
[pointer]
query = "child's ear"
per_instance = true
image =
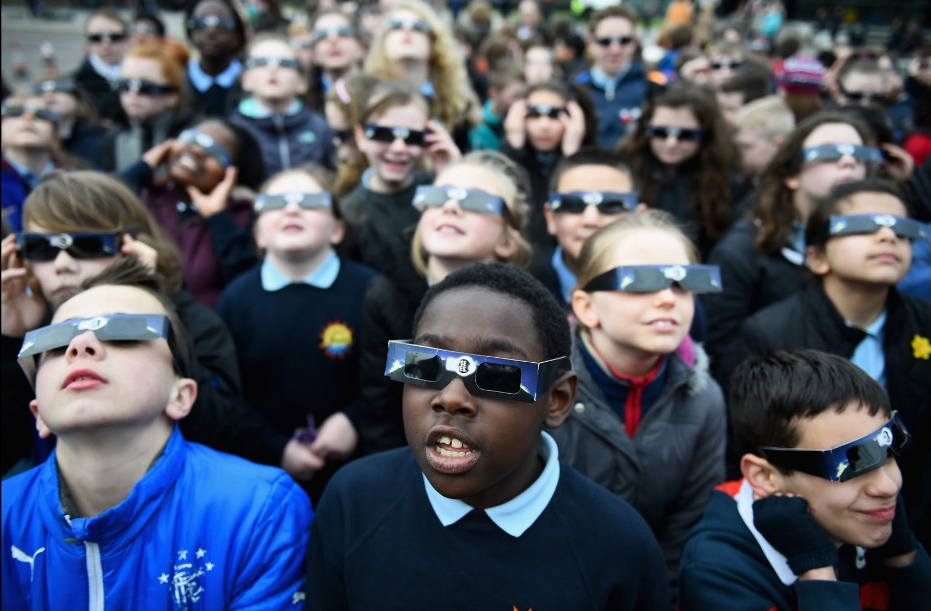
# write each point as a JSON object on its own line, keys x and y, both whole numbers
{"x": 360, "y": 137}
{"x": 561, "y": 396}
{"x": 763, "y": 477}
{"x": 183, "y": 395}
{"x": 507, "y": 246}
{"x": 792, "y": 182}
{"x": 338, "y": 232}
{"x": 584, "y": 309}
{"x": 816, "y": 260}
{"x": 550, "y": 217}
{"x": 44, "y": 431}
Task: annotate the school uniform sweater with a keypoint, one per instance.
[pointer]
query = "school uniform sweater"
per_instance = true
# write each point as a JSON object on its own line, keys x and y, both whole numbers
{"x": 725, "y": 568}
{"x": 376, "y": 540}
{"x": 297, "y": 346}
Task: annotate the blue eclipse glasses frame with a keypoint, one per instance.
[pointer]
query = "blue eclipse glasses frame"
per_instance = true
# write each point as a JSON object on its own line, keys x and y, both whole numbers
{"x": 834, "y": 152}
{"x": 679, "y": 133}
{"x": 46, "y": 246}
{"x": 535, "y": 111}
{"x": 306, "y": 201}
{"x": 319, "y": 34}
{"x": 227, "y": 24}
{"x": 653, "y": 278}
{"x": 853, "y": 224}
{"x": 484, "y": 376}
{"x": 109, "y": 328}
{"x": 387, "y": 135}
{"x": 30, "y": 109}
{"x": 65, "y": 85}
{"x": 417, "y": 25}
{"x": 473, "y": 200}
{"x": 607, "y": 202}
{"x": 848, "y": 460}
{"x": 210, "y": 146}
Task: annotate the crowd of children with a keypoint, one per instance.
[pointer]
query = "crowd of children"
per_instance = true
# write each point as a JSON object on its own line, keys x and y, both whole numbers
{"x": 399, "y": 304}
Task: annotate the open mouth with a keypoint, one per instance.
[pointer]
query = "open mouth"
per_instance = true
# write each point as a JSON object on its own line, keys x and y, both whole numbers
{"x": 451, "y": 455}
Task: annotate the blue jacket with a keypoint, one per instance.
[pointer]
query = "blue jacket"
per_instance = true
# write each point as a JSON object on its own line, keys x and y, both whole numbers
{"x": 201, "y": 530}
{"x": 619, "y": 109}
{"x": 288, "y": 140}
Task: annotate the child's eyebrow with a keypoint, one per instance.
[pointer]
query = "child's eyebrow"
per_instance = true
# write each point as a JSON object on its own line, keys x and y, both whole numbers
{"x": 482, "y": 346}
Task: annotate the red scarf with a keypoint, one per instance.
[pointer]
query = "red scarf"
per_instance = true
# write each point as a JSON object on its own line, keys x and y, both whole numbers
{"x": 633, "y": 407}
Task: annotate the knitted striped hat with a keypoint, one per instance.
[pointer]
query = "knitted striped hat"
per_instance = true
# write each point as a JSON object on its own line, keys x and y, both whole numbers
{"x": 801, "y": 74}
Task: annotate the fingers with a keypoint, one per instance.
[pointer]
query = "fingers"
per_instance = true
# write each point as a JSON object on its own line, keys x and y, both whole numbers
{"x": 8, "y": 252}
{"x": 147, "y": 255}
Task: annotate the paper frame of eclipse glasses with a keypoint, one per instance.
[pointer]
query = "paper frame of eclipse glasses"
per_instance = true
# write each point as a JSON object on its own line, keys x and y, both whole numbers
{"x": 544, "y": 110}
{"x": 833, "y": 152}
{"x": 653, "y": 278}
{"x": 853, "y": 224}
{"x": 47, "y": 246}
{"x": 434, "y": 368}
{"x": 418, "y": 25}
{"x": 473, "y": 200}
{"x": 846, "y": 461}
{"x": 110, "y": 328}
{"x": 210, "y": 146}
{"x": 306, "y": 201}
{"x": 227, "y": 24}
{"x": 143, "y": 87}
{"x": 108, "y": 36}
{"x": 387, "y": 135}
{"x": 343, "y": 31}
{"x": 39, "y": 113}
{"x": 679, "y": 133}
{"x": 64, "y": 84}
{"x": 277, "y": 62}
{"x": 607, "y": 202}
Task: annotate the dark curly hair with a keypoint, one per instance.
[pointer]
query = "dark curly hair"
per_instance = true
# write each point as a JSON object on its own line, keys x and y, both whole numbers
{"x": 549, "y": 319}
{"x": 711, "y": 193}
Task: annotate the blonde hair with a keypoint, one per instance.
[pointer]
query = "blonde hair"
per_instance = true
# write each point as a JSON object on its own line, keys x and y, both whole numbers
{"x": 453, "y": 98}
{"x": 596, "y": 252}
{"x": 770, "y": 114}
{"x": 515, "y": 192}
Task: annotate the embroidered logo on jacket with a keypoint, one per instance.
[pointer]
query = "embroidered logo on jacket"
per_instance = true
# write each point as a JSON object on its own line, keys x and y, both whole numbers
{"x": 22, "y": 556}
{"x": 336, "y": 340}
{"x": 187, "y": 577}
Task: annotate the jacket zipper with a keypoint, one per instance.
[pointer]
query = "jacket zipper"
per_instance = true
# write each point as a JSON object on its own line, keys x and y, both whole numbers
{"x": 94, "y": 577}
{"x": 283, "y": 151}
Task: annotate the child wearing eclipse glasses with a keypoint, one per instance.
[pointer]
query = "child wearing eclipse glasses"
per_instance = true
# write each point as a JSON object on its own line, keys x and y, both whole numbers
{"x": 480, "y": 485}
{"x": 213, "y": 169}
{"x": 31, "y": 149}
{"x": 541, "y": 129}
{"x": 296, "y": 320}
{"x": 859, "y": 246}
{"x": 218, "y": 30}
{"x": 816, "y": 521}
{"x": 395, "y": 134}
{"x": 125, "y": 509}
{"x": 474, "y": 212}
{"x": 648, "y": 424}
{"x": 288, "y": 133}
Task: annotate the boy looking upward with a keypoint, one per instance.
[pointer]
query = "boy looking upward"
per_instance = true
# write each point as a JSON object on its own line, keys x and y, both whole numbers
{"x": 479, "y": 513}
{"x": 125, "y": 510}
{"x": 815, "y": 522}
{"x": 289, "y": 134}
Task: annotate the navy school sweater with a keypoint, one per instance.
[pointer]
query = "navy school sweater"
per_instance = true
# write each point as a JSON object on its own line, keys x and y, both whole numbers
{"x": 297, "y": 346}
{"x": 376, "y": 543}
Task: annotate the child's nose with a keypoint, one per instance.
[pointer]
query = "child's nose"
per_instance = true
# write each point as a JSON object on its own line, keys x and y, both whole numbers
{"x": 86, "y": 345}
{"x": 64, "y": 262}
{"x": 455, "y": 399}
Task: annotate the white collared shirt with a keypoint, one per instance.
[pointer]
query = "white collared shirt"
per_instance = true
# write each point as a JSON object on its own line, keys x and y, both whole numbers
{"x": 517, "y": 515}
{"x": 323, "y": 277}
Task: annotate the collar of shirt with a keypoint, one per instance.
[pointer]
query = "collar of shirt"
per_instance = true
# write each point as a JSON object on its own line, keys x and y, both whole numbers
{"x": 252, "y": 108}
{"x": 107, "y": 71}
{"x": 518, "y": 514}
{"x": 608, "y": 83}
{"x": 323, "y": 277}
{"x": 202, "y": 81}
{"x": 868, "y": 354}
{"x": 28, "y": 175}
{"x": 567, "y": 279}
{"x": 779, "y": 563}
